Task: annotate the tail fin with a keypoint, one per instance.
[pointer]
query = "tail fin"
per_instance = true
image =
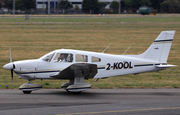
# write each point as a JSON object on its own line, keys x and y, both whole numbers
{"x": 159, "y": 49}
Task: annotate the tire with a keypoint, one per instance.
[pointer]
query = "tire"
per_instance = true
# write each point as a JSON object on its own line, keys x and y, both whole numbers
{"x": 27, "y": 92}
{"x": 67, "y": 91}
{"x": 77, "y": 92}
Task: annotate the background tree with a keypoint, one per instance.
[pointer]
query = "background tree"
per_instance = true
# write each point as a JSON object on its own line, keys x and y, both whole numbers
{"x": 176, "y": 6}
{"x": 77, "y": 8}
{"x": 170, "y": 6}
{"x": 146, "y": 3}
{"x": 122, "y": 5}
{"x": 115, "y": 6}
{"x": 134, "y": 5}
{"x": 156, "y": 4}
{"x": 30, "y": 4}
{"x": 64, "y": 4}
{"x": 88, "y": 5}
{"x": 94, "y": 6}
{"x": 8, "y": 4}
{"x": 101, "y": 7}
{"x": 0, "y": 5}
{"x": 20, "y": 5}
{"x": 25, "y": 4}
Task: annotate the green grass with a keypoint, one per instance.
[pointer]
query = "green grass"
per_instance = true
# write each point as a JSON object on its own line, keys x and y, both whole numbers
{"x": 30, "y": 41}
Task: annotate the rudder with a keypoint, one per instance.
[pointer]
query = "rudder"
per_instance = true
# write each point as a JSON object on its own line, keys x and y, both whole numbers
{"x": 159, "y": 49}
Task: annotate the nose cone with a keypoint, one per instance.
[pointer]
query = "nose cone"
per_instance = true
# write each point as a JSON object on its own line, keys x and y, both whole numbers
{"x": 8, "y": 66}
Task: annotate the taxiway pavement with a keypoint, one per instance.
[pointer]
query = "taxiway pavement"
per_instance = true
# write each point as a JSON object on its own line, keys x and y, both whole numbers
{"x": 91, "y": 102}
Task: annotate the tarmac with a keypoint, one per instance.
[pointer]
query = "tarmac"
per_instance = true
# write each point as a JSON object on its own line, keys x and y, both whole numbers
{"x": 91, "y": 102}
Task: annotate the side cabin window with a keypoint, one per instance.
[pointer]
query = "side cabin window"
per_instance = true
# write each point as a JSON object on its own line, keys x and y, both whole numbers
{"x": 95, "y": 59}
{"x": 48, "y": 57}
{"x": 63, "y": 57}
{"x": 81, "y": 58}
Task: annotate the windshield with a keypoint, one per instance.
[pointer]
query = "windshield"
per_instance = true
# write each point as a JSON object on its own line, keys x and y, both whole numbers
{"x": 47, "y": 57}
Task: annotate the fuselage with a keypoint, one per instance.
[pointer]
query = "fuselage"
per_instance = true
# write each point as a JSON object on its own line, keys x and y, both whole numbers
{"x": 108, "y": 65}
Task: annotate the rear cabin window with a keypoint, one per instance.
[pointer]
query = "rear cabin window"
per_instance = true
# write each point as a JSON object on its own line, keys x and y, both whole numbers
{"x": 81, "y": 58}
{"x": 63, "y": 57}
{"x": 95, "y": 59}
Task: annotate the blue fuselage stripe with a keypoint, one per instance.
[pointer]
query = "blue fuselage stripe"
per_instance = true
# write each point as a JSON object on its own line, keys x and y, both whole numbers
{"x": 30, "y": 88}
{"x": 143, "y": 65}
{"x": 163, "y": 40}
{"x": 161, "y": 63}
{"x": 101, "y": 68}
{"x": 36, "y": 72}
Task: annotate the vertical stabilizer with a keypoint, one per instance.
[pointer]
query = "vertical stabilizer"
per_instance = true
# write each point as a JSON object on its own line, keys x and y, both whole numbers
{"x": 159, "y": 49}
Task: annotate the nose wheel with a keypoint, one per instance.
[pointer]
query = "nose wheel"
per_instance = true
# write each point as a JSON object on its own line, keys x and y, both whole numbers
{"x": 27, "y": 92}
{"x": 27, "y": 88}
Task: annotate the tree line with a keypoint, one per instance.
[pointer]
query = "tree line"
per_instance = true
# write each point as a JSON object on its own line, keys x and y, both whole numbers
{"x": 131, "y": 6}
{"x": 20, "y": 4}
{"x": 94, "y": 6}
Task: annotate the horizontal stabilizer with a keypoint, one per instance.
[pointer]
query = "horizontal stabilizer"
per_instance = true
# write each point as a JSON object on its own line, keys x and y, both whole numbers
{"x": 165, "y": 66}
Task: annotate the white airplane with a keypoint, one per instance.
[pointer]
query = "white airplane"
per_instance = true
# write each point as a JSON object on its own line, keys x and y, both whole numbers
{"x": 75, "y": 65}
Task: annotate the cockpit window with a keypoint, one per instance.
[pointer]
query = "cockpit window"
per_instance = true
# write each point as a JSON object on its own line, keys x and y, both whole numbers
{"x": 48, "y": 57}
{"x": 63, "y": 57}
{"x": 81, "y": 58}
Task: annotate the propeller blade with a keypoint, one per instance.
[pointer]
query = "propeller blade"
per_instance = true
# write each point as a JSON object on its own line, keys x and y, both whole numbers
{"x": 10, "y": 55}
{"x": 13, "y": 65}
{"x": 12, "y": 76}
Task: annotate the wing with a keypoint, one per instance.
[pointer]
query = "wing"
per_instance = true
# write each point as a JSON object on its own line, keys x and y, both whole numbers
{"x": 78, "y": 69}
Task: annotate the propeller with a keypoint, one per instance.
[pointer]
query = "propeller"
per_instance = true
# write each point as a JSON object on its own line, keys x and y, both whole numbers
{"x": 12, "y": 70}
{"x": 10, "y": 66}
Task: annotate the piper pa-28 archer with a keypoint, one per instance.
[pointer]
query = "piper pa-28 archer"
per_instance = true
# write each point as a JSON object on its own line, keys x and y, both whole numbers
{"x": 76, "y": 66}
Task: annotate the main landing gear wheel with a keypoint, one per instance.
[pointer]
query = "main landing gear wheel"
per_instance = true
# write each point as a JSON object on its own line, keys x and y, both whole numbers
{"x": 27, "y": 92}
{"x": 77, "y": 92}
{"x": 67, "y": 91}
